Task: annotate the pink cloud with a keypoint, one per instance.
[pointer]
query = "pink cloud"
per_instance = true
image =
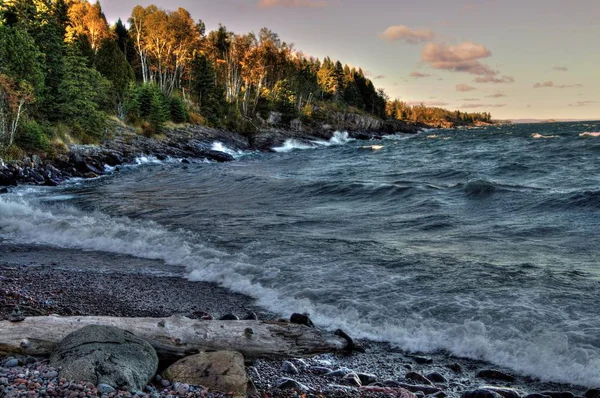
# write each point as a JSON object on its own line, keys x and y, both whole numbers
{"x": 550, "y": 84}
{"x": 474, "y": 106}
{"x": 293, "y": 3}
{"x": 464, "y": 88}
{"x": 497, "y": 95}
{"x": 494, "y": 79}
{"x": 463, "y": 57}
{"x": 407, "y": 35}
{"x": 582, "y": 103}
{"x": 419, "y": 75}
{"x": 470, "y": 99}
{"x": 428, "y": 103}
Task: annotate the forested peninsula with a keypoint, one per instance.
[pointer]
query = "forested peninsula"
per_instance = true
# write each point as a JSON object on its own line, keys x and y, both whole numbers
{"x": 67, "y": 77}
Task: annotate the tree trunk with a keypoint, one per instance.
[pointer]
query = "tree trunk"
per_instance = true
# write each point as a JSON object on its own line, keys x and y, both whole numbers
{"x": 177, "y": 336}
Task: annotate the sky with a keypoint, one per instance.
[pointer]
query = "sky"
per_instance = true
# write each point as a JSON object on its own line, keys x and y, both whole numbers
{"x": 513, "y": 58}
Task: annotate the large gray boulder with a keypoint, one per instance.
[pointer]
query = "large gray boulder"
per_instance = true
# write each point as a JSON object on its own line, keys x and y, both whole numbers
{"x": 105, "y": 355}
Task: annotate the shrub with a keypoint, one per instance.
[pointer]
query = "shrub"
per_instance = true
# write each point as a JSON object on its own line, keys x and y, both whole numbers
{"x": 179, "y": 113}
{"x": 32, "y": 137}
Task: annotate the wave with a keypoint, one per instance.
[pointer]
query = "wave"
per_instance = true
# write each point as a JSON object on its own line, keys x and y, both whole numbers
{"x": 220, "y": 147}
{"x": 480, "y": 188}
{"x": 542, "y": 352}
{"x": 339, "y": 138}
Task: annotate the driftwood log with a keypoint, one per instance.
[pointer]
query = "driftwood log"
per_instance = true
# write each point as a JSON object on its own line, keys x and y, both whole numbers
{"x": 176, "y": 336}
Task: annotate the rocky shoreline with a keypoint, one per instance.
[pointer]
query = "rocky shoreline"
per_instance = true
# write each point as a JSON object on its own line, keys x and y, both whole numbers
{"x": 44, "y": 281}
{"x": 123, "y": 145}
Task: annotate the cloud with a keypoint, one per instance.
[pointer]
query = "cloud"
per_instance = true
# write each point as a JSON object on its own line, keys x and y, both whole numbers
{"x": 379, "y": 77}
{"x": 463, "y": 57}
{"x": 473, "y": 106}
{"x": 561, "y": 68}
{"x": 470, "y": 99}
{"x": 497, "y": 95}
{"x": 293, "y": 3}
{"x": 428, "y": 103}
{"x": 419, "y": 75}
{"x": 550, "y": 84}
{"x": 583, "y": 103}
{"x": 407, "y": 35}
{"x": 494, "y": 79}
{"x": 464, "y": 88}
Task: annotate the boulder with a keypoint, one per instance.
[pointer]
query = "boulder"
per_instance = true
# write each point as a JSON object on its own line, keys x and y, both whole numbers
{"x": 418, "y": 378}
{"x": 105, "y": 355}
{"x": 219, "y": 371}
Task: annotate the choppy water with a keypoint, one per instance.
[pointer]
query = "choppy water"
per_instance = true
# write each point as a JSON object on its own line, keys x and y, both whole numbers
{"x": 483, "y": 243}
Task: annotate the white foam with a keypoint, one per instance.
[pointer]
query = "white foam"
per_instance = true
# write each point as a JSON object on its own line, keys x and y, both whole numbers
{"x": 540, "y": 352}
{"x": 220, "y": 147}
{"x": 339, "y": 138}
{"x": 147, "y": 160}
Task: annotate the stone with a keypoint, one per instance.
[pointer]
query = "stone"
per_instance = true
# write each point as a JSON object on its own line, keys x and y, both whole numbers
{"x": 302, "y": 319}
{"x": 352, "y": 379}
{"x": 251, "y": 317}
{"x": 291, "y": 384}
{"x": 421, "y": 360}
{"x": 436, "y": 377}
{"x": 220, "y": 371}
{"x": 504, "y": 391}
{"x": 367, "y": 378}
{"x": 105, "y": 355}
{"x": 495, "y": 375}
{"x": 11, "y": 363}
{"x": 418, "y": 378}
{"x": 319, "y": 370}
{"x": 481, "y": 393}
{"x": 229, "y": 317}
{"x": 341, "y": 372}
{"x": 592, "y": 393}
{"x": 288, "y": 367}
{"x": 105, "y": 389}
{"x": 455, "y": 367}
{"x": 558, "y": 394}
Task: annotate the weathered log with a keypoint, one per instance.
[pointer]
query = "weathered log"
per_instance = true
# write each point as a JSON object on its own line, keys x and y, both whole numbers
{"x": 177, "y": 336}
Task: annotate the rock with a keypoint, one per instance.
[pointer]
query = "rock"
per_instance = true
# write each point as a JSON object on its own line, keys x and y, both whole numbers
{"x": 394, "y": 392}
{"x": 495, "y": 375}
{"x": 105, "y": 389}
{"x": 558, "y": 394}
{"x": 536, "y": 396}
{"x": 221, "y": 371}
{"x": 367, "y": 378}
{"x": 592, "y": 393}
{"x": 251, "y": 317}
{"x": 421, "y": 360}
{"x": 105, "y": 355}
{"x": 436, "y": 377}
{"x": 217, "y": 156}
{"x": 481, "y": 393}
{"x": 427, "y": 390}
{"x": 352, "y": 379}
{"x": 341, "y": 372}
{"x": 302, "y": 319}
{"x": 185, "y": 161}
{"x": 229, "y": 317}
{"x": 11, "y": 363}
{"x": 504, "y": 391}
{"x": 290, "y": 384}
{"x": 455, "y": 367}
{"x": 3, "y": 190}
{"x": 319, "y": 370}
{"x": 36, "y": 159}
{"x": 288, "y": 367}
{"x": 418, "y": 378}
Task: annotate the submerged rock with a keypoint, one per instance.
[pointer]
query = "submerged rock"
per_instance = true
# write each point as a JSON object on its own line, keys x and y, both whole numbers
{"x": 106, "y": 355}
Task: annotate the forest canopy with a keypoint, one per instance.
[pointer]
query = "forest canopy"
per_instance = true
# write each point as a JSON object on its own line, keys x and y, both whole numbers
{"x": 64, "y": 71}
